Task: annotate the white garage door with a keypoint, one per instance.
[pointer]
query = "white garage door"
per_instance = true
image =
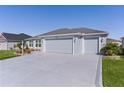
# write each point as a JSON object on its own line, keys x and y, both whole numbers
{"x": 91, "y": 45}
{"x": 59, "y": 46}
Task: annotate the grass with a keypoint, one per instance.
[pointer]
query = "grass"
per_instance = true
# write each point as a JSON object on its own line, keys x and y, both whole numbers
{"x": 113, "y": 72}
{"x": 5, "y": 54}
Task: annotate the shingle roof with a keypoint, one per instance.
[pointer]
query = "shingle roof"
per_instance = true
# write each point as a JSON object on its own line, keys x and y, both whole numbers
{"x": 112, "y": 40}
{"x": 122, "y": 37}
{"x": 15, "y": 37}
{"x": 33, "y": 38}
{"x": 75, "y": 30}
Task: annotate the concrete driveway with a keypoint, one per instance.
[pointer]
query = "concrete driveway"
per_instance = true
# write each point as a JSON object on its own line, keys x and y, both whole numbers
{"x": 51, "y": 70}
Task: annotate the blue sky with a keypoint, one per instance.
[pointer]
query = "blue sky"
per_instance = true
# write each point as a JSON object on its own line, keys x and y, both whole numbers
{"x": 36, "y": 20}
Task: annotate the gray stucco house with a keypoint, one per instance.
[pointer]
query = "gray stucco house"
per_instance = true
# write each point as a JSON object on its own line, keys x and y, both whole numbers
{"x": 122, "y": 42}
{"x": 9, "y": 40}
{"x": 73, "y": 41}
{"x": 110, "y": 40}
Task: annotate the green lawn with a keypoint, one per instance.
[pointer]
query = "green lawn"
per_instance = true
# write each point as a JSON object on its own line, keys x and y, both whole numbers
{"x": 113, "y": 72}
{"x": 7, "y": 54}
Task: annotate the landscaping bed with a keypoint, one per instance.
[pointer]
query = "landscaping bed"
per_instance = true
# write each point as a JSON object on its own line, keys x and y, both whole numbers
{"x": 5, "y": 54}
{"x": 113, "y": 72}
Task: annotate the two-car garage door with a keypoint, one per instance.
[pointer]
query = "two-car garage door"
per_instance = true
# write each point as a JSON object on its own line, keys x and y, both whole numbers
{"x": 59, "y": 45}
{"x": 66, "y": 45}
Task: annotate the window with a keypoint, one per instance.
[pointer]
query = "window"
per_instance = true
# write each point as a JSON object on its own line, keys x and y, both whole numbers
{"x": 38, "y": 43}
{"x": 31, "y": 43}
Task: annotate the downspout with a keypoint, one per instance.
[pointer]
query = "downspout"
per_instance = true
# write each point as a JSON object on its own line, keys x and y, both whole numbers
{"x": 73, "y": 45}
{"x": 99, "y": 44}
{"x": 44, "y": 45}
{"x": 83, "y": 46}
{"x": 22, "y": 47}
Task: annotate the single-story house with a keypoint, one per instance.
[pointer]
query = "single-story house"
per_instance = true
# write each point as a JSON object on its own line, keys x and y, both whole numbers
{"x": 9, "y": 40}
{"x": 109, "y": 40}
{"x": 72, "y": 41}
{"x": 122, "y": 42}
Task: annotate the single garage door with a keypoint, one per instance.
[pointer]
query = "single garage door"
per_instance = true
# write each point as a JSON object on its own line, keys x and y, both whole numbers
{"x": 91, "y": 45}
{"x": 59, "y": 45}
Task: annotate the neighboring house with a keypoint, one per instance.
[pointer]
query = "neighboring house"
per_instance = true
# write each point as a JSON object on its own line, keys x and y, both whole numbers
{"x": 72, "y": 41}
{"x": 109, "y": 40}
{"x": 122, "y": 42}
{"x": 9, "y": 40}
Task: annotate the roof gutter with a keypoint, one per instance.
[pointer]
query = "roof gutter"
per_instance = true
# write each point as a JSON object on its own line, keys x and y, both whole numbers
{"x": 61, "y": 35}
{"x": 96, "y": 34}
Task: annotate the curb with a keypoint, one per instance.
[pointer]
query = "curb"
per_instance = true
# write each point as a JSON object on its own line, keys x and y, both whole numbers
{"x": 98, "y": 81}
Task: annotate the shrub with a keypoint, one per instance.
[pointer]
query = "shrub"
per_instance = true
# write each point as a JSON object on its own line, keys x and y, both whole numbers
{"x": 111, "y": 49}
{"x": 32, "y": 49}
{"x": 18, "y": 51}
{"x": 27, "y": 50}
{"x": 19, "y": 45}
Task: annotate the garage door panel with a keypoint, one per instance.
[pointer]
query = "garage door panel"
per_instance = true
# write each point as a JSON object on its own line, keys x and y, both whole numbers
{"x": 59, "y": 46}
{"x": 91, "y": 45}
